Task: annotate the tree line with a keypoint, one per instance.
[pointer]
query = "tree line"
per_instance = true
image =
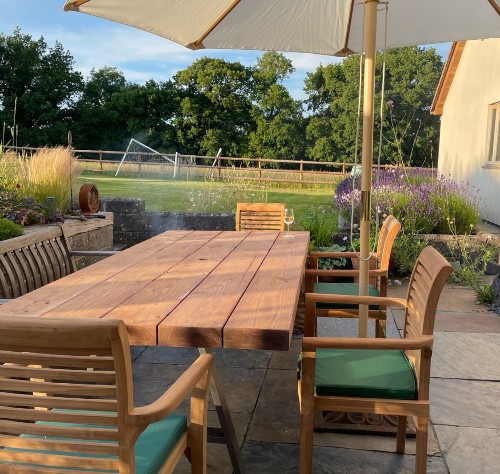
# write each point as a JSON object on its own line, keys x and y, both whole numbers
{"x": 214, "y": 103}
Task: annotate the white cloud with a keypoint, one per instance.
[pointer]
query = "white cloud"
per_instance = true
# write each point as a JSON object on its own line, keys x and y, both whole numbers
{"x": 310, "y": 62}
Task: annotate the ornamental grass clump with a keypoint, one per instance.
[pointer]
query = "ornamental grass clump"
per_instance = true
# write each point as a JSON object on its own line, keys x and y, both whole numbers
{"x": 422, "y": 202}
{"x": 49, "y": 172}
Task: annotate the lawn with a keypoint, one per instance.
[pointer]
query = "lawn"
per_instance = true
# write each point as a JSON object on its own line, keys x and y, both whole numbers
{"x": 201, "y": 196}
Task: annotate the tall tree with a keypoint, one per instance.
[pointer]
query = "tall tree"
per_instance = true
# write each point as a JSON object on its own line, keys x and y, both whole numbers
{"x": 98, "y": 124}
{"x": 280, "y": 126}
{"x": 38, "y": 89}
{"x": 148, "y": 111}
{"x": 215, "y": 107}
{"x": 412, "y": 75}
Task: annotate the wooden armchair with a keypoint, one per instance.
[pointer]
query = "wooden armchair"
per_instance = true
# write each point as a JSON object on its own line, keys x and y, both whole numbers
{"x": 374, "y": 375}
{"x": 260, "y": 216}
{"x": 378, "y": 286}
{"x": 67, "y": 405}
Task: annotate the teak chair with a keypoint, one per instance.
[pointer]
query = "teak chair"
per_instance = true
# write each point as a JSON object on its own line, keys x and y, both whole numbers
{"x": 66, "y": 402}
{"x": 260, "y": 216}
{"x": 380, "y": 260}
{"x": 376, "y": 375}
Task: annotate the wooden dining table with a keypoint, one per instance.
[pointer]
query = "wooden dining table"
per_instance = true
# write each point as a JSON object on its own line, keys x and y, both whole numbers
{"x": 204, "y": 289}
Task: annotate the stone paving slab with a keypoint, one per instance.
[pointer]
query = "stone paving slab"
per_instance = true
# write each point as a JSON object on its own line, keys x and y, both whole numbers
{"x": 347, "y": 327}
{"x": 187, "y": 355}
{"x": 276, "y": 415}
{"x": 287, "y": 359}
{"x": 218, "y": 461}
{"x": 383, "y": 443}
{"x": 168, "y": 355}
{"x": 241, "y": 386}
{"x": 278, "y": 458}
{"x": 152, "y": 380}
{"x": 461, "y": 299}
{"x": 470, "y": 450}
{"x": 465, "y": 403}
{"x": 478, "y": 321}
{"x": 456, "y": 356}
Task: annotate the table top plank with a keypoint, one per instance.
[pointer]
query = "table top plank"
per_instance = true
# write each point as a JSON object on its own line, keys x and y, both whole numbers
{"x": 50, "y": 296}
{"x": 262, "y": 319}
{"x": 202, "y": 316}
{"x": 144, "y": 310}
{"x": 196, "y": 288}
{"x": 114, "y": 292}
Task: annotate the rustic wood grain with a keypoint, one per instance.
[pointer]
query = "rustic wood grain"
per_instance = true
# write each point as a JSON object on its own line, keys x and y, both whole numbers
{"x": 201, "y": 317}
{"x": 48, "y": 297}
{"x": 264, "y": 317}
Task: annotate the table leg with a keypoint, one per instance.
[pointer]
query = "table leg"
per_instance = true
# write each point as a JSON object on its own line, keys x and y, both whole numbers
{"x": 228, "y": 435}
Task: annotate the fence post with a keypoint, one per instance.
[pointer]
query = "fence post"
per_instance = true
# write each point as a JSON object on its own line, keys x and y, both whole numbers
{"x": 260, "y": 171}
{"x": 343, "y": 169}
{"x": 100, "y": 159}
{"x": 301, "y": 173}
{"x": 218, "y": 167}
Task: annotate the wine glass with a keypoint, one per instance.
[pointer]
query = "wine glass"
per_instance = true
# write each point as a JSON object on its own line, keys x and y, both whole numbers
{"x": 288, "y": 218}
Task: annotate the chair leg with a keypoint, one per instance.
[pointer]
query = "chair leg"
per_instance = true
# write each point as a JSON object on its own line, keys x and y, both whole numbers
{"x": 306, "y": 433}
{"x": 421, "y": 454}
{"x": 380, "y": 328}
{"x": 306, "y": 442}
{"x": 401, "y": 435}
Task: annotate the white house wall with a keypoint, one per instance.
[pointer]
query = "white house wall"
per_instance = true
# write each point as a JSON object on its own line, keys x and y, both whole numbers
{"x": 462, "y": 148}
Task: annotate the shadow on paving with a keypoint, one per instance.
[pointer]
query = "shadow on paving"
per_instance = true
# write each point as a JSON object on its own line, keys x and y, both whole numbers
{"x": 260, "y": 388}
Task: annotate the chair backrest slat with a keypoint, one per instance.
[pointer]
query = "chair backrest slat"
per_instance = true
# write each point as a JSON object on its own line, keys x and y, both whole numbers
{"x": 260, "y": 216}
{"x": 31, "y": 261}
{"x": 386, "y": 238}
{"x": 428, "y": 278}
{"x": 63, "y": 386}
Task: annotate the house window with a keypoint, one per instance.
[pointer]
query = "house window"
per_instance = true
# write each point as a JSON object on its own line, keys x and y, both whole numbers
{"x": 493, "y": 143}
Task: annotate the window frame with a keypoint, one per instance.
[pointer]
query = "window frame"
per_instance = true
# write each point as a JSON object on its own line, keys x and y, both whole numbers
{"x": 493, "y": 142}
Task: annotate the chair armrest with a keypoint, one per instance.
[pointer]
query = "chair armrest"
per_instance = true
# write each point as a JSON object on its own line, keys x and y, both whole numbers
{"x": 94, "y": 253}
{"x": 352, "y": 299}
{"x": 177, "y": 392}
{"x": 319, "y": 254}
{"x": 317, "y": 272}
{"x": 417, "y": 343}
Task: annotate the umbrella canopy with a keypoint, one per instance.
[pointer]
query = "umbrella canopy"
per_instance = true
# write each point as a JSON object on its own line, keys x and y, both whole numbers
{"x": 333, "y": 27}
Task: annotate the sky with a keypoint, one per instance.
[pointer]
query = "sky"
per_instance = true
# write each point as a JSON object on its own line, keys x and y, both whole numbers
{"x": 95, "y": 43}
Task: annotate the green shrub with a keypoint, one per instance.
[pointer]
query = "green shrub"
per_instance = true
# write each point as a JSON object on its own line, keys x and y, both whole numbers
{"x": 10, "y": 171}
{"x": 406, "y": 250}
{"x": 457, "y": 209}
{"x": 9, "y": 229}
{"x": 321, "y": 224}
{"x": 24, "y": 211}
{"x": 329, "y": 263}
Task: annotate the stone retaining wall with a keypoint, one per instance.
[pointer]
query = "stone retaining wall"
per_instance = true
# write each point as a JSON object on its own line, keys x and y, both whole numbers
{"x": 133, "y": 223}
{"x": 88, "y": 234}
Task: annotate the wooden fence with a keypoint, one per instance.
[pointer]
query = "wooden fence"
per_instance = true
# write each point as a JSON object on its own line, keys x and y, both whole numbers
{"x": 215, "y": 167}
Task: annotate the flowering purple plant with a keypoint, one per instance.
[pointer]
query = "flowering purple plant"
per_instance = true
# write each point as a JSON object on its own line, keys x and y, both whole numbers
{"x": 420, "y": 199}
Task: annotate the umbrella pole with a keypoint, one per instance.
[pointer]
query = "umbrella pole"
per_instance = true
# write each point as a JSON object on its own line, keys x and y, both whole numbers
{"x": 367, "y": 157}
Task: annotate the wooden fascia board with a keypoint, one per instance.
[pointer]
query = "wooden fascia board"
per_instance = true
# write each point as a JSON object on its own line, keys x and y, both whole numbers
{"x": 447, "y": 76}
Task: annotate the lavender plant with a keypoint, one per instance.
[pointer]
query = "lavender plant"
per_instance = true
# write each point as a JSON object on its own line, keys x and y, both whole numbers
{"x": 420, "y": 200}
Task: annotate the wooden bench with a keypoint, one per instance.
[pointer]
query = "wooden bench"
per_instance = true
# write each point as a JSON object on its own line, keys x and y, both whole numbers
{"x": 36, "y": 259}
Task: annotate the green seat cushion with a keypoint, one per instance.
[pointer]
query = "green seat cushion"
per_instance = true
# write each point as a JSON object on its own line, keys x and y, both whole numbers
{"x": 156, "y": 443}
{"x": 365, "y": 374}
{"x": 152, "y": 448}
{"x": 342, "y": 289}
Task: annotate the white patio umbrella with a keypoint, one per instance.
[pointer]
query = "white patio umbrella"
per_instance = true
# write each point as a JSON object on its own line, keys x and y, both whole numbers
{"x": 332, "y": 27}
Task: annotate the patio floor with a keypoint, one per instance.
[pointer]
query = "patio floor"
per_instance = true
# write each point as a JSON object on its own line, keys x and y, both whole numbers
{"x": 260, "y": 387}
